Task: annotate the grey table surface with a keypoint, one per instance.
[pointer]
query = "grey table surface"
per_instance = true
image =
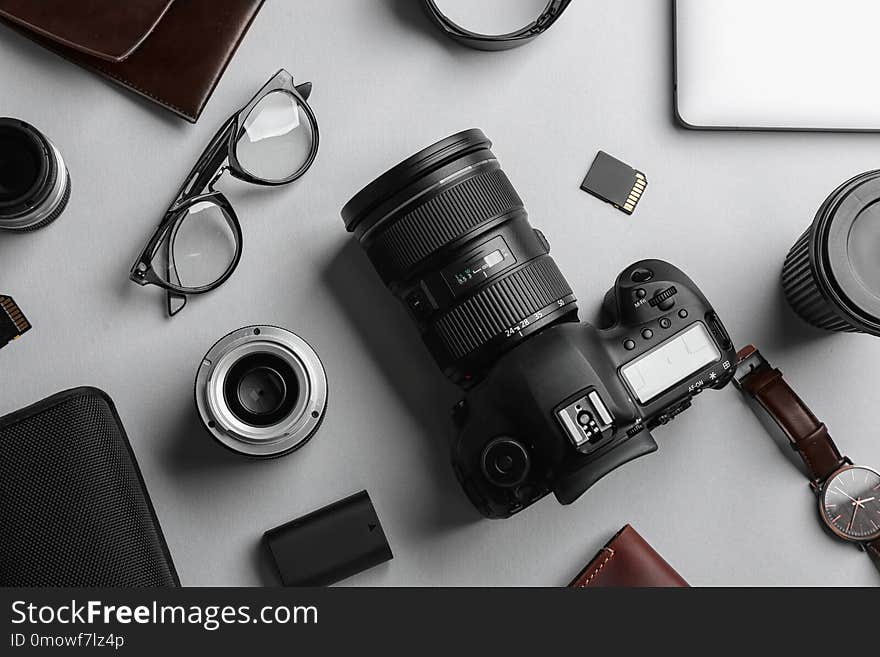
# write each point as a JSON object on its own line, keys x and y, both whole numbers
{"x": 719, "y": 500}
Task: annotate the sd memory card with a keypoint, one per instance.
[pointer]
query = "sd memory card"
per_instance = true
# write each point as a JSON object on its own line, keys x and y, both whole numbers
{"x": 616, "y": 183}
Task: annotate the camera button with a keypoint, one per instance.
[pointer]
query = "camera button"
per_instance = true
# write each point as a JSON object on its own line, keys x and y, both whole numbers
{"x": 641, "y": 293}
{"x": 629, "y": 345}
{"x": 665, "y": 323}
{"x": 683, "y": 313}
{"x": 647, "y": 334}
{"x": 642, "y": 275}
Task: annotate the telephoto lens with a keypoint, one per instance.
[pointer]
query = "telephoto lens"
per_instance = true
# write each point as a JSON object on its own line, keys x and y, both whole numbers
{"x": 832, "y": 274}
{"x": 451, "y": 238}
{"x": 261, "y": 391}
{"x": 34, "y": 182}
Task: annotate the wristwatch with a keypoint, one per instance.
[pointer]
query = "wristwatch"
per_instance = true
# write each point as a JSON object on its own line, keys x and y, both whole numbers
{"x": 849, "y": 495}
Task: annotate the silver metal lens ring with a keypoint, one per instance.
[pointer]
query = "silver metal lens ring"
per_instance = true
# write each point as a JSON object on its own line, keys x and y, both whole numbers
{"x": 34, "y": 181}
{"x": 261, "y": 391}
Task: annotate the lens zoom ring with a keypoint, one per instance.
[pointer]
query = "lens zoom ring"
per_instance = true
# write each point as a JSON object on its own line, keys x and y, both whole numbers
{"x": 446, "y": 217}
{"x": 501, "y": 306}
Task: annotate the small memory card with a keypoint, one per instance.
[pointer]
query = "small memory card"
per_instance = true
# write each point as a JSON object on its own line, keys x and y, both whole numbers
{"x": 616, "y": 183}
{"x": 13, "y": 323}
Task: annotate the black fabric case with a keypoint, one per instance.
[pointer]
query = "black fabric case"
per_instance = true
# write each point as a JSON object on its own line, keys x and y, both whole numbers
{"x": 74, "y": 510}
{"x": 330, "y": 544}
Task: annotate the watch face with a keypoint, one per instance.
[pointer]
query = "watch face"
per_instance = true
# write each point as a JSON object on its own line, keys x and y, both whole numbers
{"x": 851, "y": 504}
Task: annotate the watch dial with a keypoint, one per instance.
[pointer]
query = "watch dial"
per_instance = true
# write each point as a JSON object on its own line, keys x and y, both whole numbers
{"x": 851, "y": 504}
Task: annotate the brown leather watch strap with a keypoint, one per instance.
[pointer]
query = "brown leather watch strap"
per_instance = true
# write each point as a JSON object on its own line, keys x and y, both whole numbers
{"x": 874, "y": 551}
{"x": 628, "y": 561}
{"x": 809, "y": 437}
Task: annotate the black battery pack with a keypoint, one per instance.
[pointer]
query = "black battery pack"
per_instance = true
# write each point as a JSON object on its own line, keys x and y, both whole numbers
{"x": 329, "y": 545}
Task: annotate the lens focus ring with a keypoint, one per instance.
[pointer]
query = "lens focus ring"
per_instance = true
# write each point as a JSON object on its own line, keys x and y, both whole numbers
{"x": 501, "y": 307}
{"x": 443, "y": 219}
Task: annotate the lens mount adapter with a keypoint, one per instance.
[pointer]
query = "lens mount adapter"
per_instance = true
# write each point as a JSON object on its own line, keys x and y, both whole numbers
{"x": 261, "y": 391}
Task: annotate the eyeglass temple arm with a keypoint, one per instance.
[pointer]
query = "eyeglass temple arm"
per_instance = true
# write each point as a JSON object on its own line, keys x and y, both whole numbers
{"x": 208, "y": 164}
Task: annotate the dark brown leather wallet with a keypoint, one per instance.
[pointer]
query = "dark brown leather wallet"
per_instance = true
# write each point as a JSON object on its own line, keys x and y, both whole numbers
{"x": 628, "y": 561}
{"x": 172, "y": 52}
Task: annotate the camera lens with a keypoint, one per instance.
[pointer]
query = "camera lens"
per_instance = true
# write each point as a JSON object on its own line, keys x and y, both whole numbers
{"x": 832, "y": 274}
{"x": 450, "y": 236}
{"x": 34, "y": 183}
{"x": 261, "y": 391}
{"x": 505, "y": 462}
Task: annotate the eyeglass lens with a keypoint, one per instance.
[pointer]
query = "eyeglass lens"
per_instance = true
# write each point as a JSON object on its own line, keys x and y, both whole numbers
{"x": 277, "y": 138}
{"x": 199, "y": 248}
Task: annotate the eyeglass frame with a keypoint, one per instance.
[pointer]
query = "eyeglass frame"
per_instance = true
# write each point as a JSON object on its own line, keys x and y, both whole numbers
{"x": 219, "y": 157}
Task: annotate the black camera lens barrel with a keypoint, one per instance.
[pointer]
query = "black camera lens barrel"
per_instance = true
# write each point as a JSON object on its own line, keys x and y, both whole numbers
{"x": 450, "y": 237}
{"x": 34, "y": 181}
{"x": 831, "y": 276}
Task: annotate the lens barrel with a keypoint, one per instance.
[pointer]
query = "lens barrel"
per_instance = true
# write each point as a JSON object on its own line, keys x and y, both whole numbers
{"x": 34, "y": 181}
{"x": 831, "y": 276}
{"x": 261, "y": 391}
{"x": 449, "y": 235}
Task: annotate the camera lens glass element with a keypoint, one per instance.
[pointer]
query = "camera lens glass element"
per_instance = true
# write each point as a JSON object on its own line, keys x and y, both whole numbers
{"x": 34, "y": 183}
{"x": 832, "y": 274}
{"x": 450, "y": 236}
{"x": 506, "y": 462}
{"x": 261, "y": 391}
{"x": 21, "y": 164}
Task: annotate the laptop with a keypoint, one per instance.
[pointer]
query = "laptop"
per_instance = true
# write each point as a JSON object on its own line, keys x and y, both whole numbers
{"x": 777, "y": 64}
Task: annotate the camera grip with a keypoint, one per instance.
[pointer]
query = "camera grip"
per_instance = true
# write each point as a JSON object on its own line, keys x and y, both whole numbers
{"x": 571, "y": 486}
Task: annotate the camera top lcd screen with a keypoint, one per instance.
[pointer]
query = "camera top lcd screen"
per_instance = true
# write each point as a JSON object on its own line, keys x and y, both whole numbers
{"x": 671, "y": 363}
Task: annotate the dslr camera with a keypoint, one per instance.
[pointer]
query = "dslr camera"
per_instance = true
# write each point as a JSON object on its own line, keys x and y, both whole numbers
{"x": 551, "y": 404}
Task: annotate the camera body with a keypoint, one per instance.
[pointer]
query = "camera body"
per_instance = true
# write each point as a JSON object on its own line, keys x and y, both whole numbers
{"x": 574, "y": 402}
{"x": 550, "y": 404}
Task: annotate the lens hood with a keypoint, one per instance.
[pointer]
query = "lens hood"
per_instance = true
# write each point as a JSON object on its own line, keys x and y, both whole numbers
{"x": 422, "y": 170}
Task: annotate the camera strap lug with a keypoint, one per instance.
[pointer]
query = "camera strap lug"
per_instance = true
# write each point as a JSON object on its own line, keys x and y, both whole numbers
{"x": 750, "y": 361}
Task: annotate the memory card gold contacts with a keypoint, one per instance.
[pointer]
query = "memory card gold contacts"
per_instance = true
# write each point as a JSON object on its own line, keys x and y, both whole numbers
{"x": 616, "y": 183}
{"x": 13, "y": 323}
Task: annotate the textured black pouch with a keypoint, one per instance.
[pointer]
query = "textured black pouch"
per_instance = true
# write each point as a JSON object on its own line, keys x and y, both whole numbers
{"x": 74, "y": 510}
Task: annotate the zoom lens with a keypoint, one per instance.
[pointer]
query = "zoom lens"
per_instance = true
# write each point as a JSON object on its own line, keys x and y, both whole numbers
{"x": 261, "y": 391}
{"x": 450, "y": 236}
{"x": 34, "y": 182}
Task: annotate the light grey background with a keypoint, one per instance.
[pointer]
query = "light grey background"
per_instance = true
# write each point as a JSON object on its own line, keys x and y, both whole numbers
{"x": 718, "y": 500}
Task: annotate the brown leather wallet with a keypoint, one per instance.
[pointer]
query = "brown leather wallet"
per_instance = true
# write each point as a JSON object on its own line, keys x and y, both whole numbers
{"x": 172, "y": 52}
{"x": 627, "y": 560}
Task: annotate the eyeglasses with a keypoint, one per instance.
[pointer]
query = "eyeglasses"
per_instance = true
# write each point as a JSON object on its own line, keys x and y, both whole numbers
{"x": 272, "y": 141}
